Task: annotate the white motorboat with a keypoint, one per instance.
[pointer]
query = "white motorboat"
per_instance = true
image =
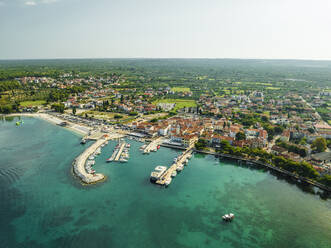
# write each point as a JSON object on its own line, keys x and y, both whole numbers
{"x": 168, "y": 181}
{"x": 228, "y": 217}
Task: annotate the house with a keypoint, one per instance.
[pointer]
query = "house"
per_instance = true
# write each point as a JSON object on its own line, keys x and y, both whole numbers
{"x": 278, "y": 150}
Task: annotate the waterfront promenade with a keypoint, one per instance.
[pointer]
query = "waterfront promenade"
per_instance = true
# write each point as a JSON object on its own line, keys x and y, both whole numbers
{"x": 153, "y": 145}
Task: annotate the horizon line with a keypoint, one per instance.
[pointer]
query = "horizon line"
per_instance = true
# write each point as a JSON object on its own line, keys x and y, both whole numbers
{"x": 169, "y": 58}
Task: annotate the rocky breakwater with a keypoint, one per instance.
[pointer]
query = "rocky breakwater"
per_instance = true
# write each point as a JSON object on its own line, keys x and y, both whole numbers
{"x": 79, "y": 164}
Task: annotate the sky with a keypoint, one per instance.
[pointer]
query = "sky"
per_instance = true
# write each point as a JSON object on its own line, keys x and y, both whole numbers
{"x": 269, "y": 29}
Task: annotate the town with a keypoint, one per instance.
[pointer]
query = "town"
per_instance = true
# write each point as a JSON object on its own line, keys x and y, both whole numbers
{"x": 286, "y": 127}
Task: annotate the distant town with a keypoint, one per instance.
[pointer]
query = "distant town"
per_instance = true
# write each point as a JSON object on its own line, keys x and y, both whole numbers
{"x": 276, "y": 122}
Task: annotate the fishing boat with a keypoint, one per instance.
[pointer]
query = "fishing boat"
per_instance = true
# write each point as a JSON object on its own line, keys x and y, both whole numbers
{"x": 83, "y": 141}
{"x": 91, "y": 157}
{"x": 228, "y": 217}
{"x": 127, "y": 145}
{"x": 174, "y": 173}
{"x": 122, "y": 160}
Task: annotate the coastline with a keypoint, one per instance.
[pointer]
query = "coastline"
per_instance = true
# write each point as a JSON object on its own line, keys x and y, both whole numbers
{"x": 54, "y": 120}
{"x": 270, "y": 167}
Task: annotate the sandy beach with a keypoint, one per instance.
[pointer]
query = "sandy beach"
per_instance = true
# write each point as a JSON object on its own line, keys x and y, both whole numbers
{"x": 79, "y": 129}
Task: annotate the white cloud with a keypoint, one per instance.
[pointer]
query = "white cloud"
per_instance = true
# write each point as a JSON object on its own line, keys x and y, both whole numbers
{"x": 37, "y": 2}
{"x": 30, "y": 3}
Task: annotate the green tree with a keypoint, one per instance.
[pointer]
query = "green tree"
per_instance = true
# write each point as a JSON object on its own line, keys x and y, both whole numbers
{"x": 201, "y": 144}
{"x": 240, "y": 136}
{"x": 58, "y": 107}
{"x": 319, "y": 144}
{"x": 74, "y": 110}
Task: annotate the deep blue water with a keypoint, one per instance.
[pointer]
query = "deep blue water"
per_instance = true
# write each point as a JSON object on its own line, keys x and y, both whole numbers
{"x": 43, "y": 205}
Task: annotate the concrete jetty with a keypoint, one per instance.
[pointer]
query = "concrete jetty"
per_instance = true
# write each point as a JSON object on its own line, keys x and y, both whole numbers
{"x": 179, "y": 163}
{"x": 79, "y": 162}
{"x": 153, "y": 145}
{"x": 119, "y": 153}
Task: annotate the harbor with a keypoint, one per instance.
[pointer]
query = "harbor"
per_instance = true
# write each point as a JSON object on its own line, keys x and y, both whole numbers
{"x": 153, "y": 146}
{"x": 120, "y": 153}
{"x": 206, "y": 190}
{"x": 83, "y": 169}
{"x": 163, "y": 176}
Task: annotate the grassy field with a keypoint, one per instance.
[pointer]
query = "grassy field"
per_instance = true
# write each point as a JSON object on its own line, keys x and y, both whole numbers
{"x": 180, "y": 103}
{"x": 180, "y": 89}
{"x": 103, "y": 115}
{"x": 272, "y": 88}
{"x": 32, "y": 103}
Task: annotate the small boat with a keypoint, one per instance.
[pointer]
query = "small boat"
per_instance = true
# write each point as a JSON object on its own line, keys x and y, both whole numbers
{"x": 228, "y": 217}
{"x": 180, "y": 168}
{"x": 127, "y": 145}
{"x": 143, "y": 147}
{"x": 91, "y": 157}
{"x": 83, "y": 141}
{"x": 90, "y": 162}
{"x": 19, "y": 122}
{"x": 174, "y": 173}
{"x": 158, "y": 147}
{"x": 168, "y": 181}
{"x": 122, "y": 160}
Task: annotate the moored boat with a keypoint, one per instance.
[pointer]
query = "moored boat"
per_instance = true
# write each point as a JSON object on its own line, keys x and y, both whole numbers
{"x": 168, "y": 181}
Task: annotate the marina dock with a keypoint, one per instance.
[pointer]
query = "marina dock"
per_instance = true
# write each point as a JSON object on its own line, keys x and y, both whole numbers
{"x": 119, "y": 153}
{"x": 153, "y": 146}
{"x": 79, "y": 162}
{"x": 176, "y": 166}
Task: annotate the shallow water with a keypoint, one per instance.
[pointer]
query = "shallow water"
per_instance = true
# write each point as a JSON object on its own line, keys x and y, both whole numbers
{"x": 43, "y": 205}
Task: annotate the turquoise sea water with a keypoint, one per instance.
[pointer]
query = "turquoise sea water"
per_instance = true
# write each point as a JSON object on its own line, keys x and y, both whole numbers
{"x": 43, "y": 205}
